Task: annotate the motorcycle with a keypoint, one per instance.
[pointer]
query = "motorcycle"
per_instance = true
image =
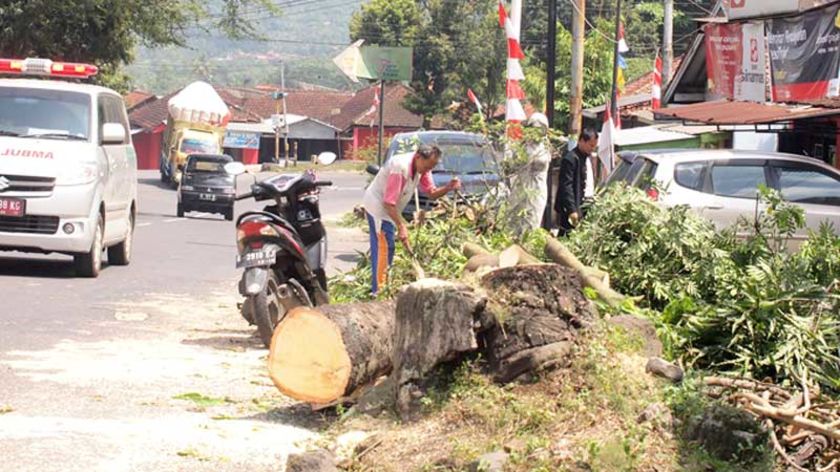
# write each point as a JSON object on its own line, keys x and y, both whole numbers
{"x": 282, "y": 250}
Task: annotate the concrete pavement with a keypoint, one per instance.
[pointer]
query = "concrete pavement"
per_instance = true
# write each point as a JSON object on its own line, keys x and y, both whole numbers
{"x": 150, "y": 366}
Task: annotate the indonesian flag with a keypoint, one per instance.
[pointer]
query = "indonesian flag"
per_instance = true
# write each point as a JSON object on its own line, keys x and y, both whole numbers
{"x": 474, "y": 99}
{"x": 606, "y": 141}
{"x": 375, "y": 105}
{"x": 656, "y": 92}
{"x": 622, "y": 44}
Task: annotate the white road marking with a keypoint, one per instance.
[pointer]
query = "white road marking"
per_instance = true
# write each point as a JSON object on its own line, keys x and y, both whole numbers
{"x": 172, "y": 220}
{"x": 143, "y": 225}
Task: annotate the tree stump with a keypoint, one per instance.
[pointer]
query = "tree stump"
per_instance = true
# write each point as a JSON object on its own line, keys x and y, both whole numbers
{"x": 320, "y": 355}
{"x": 435, "y": 323}
{"x": 538, "y": 309}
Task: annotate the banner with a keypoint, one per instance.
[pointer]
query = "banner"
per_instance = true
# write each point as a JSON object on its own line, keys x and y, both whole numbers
{"x": 736, "y": 9}
{"x": 241, "y": 140}
{"x": 723, "y": 59}
{"x": 751, "y": 83}
{"x": 805, "y": 55}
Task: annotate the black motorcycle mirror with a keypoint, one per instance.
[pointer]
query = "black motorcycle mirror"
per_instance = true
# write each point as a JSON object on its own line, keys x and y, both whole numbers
{"x": 372, "y": 169}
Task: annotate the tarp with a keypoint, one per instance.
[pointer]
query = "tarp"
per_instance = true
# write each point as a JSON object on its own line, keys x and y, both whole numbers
{"x": 198, "y": 102}
{"x": 805, "y": 55}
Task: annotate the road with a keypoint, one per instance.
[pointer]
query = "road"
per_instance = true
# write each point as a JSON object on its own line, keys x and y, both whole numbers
{"x": 90, "y": 368}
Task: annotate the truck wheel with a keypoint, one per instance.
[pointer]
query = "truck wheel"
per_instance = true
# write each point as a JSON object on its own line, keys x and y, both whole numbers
{"x": 267, "y": 310}
{"x": 120, "y": 255}
{"x": 180, "y": 210}
{"x": 89, "y": 264}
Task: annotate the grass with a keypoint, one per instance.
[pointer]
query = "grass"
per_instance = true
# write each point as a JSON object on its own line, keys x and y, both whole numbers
{"x": 202, "y": 401}
{"x": 582, "y": 418}
{"x": 194, "y": 454}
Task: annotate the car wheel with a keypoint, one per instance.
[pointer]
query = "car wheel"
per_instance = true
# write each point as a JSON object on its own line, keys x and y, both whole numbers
{"x": 180, "y": 210}
{"x": 89, "y": 264}
{"x": 121, "y": 253}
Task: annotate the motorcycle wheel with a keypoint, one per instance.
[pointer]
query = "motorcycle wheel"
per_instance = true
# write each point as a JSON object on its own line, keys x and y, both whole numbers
{"x": 267, "y": 309}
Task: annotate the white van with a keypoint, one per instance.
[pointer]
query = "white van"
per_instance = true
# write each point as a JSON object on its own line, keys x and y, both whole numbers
{"x": 68, "y": 171}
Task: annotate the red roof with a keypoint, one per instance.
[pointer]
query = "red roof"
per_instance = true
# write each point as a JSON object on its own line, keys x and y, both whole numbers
{"x": 321, "y": 105}
{"x": 730, "y": 112}
{"x": 137, "y": 97}
{"x": 644, "y": 84}
{"x": 356, "y": 111}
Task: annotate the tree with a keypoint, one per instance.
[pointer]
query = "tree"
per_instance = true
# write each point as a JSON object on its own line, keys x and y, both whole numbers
{"x": 98, "y": 32}
{"x": 457, "y": 45}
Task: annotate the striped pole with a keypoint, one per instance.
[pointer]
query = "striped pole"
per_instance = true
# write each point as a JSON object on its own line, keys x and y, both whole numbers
{"x": 515, "y": 113}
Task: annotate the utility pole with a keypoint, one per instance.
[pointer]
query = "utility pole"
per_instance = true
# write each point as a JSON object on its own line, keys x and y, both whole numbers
{"x": 668, "y": 43}
{"x": 381, "y": 120}
{"x": 614, "y": 95}
{"x": 576, "y": 96}
{"x": 552, "y": 61}
{"x": 285, "y": 114}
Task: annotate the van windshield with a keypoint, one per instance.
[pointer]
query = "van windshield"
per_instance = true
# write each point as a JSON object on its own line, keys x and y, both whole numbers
{"x": 48, "y": 114}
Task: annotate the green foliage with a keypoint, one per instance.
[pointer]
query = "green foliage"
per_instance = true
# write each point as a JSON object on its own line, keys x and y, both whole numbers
{"x": 201, "y": 400}
{"x": 744, "y": 305}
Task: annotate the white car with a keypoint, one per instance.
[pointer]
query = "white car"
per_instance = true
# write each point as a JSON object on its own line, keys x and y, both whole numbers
{"x": 68, "y": 171}
{"x": 723, "y": 184}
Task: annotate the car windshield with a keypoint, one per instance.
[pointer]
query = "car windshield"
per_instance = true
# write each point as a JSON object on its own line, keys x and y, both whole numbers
{"x": 459, "y": 157}
{"x": 206, "y": 166}
{"x": 47, "y": 114}
{"x": 199, "y": 145}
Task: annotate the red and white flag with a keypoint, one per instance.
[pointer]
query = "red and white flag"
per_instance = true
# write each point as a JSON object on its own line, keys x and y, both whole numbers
{"x": 622, "y": 44}
{"x": 375, "y": 105}
{"x": 656, "y": 92}
{"x": 606, "y": 141}
{"x": 474, "y": 99}
{"x": 515, "y": 113}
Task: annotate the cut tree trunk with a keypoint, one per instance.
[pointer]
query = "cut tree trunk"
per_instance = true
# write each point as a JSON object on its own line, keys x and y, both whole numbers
{"x": 320, "y": 355}
{"x": 515, "y": 255}
{"x": 472, "y": 249}
{"x": 435, "y": 323}
{"x": 559, "y": 253}
{"x": 480, "y": 261}
{"x": 539, "y": 310}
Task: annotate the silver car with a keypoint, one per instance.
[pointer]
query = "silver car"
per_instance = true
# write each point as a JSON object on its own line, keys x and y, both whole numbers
{"x": 722, "y": 184}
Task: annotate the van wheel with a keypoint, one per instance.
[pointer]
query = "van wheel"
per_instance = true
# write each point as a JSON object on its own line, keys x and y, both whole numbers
{"x": 180, "y": 211}
{"x": 229, "y": 214}
{"x": 120, "y": 255}
{"x": 89, "y": 264}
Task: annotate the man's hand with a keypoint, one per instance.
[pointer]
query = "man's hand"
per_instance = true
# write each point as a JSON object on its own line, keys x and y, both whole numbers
{"x": 454, "y": 184}
{"x": 402, "y": 235}
{"x": 574, "y": 218}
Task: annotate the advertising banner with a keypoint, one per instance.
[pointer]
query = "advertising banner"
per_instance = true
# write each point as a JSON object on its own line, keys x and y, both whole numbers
{"x": 737, "y": 9}
{"x": 751, "y": 83}
{"x": 805, "y": 55}
{"x": 241, "y": 140}
{"x": 723, "y": 59}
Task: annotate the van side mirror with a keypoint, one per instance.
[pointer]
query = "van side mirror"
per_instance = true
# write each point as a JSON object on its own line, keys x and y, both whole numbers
{"x": 113, "y": 133}
{"x": 372, "y": 169}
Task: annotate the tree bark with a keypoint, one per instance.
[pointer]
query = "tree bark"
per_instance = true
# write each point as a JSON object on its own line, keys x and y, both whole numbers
{"x": 472, "y": 250}
{"x": 481, "y": 261}
{"x": 557, "y": 252}
{"x": 534, "y": 306}
{"x": 320, "y": 355}
{"x": 435, "y": 323}
{"x": 516, "y": 255}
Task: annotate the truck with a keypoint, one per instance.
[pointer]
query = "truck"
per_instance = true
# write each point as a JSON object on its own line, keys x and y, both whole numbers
{"x": 196, "y": 124}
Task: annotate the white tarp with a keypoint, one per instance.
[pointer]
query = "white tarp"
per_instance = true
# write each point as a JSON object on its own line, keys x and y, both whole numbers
{"x": 198, "y": 102}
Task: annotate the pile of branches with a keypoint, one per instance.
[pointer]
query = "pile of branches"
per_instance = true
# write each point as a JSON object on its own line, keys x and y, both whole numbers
{"x": 804, "y": 426}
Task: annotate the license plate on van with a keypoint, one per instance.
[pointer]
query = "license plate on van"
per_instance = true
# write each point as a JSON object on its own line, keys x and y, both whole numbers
{"x": 12, "y": 207}
{"x": 207, "y": 197}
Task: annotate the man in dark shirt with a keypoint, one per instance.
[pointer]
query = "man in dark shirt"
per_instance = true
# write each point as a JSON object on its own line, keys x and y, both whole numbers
{"x": 573, "y": 180}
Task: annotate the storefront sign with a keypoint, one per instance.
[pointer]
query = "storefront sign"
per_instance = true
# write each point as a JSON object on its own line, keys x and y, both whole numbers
{"x": 805, "y": 55}
{"x": 240, "y": 140}
{"x": 751, "y": 83}
{"x": 723, "y": 59}
{"x": 736, "y": 9}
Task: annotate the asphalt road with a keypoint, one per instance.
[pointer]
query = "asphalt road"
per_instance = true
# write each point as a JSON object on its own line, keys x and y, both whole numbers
{"x": 90, "y": 368}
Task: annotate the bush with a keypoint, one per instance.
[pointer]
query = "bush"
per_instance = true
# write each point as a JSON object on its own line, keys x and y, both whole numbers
{"x": 739, "y": 305}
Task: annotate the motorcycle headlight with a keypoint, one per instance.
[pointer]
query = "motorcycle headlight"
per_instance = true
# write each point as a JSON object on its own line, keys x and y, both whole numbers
{"x": 78, "y": 175}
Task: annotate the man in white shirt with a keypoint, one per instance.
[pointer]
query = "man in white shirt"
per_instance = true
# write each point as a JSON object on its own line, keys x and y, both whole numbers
{"x": 387, "y": 196}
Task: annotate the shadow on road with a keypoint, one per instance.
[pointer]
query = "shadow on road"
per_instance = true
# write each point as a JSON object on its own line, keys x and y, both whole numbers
{"x": 299, "y": 415}
{"x": 41, "y": 268}
{"x": 154, "y": 182}
{"x": 239, "y": 341}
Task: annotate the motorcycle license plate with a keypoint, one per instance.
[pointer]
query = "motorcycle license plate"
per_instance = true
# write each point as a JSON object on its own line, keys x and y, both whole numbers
{"x": 207, "y": 197}
{"x": 263, "y": 258}
{"x": 12, "y": 207}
